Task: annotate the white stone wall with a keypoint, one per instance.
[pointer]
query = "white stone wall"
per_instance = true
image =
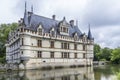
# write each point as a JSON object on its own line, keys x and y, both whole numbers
{"x": 80, "y": 47}
{"x": 27, "y": 40}
{"x": 71, "y": 45}
{"x": 30, "y": 50}
{"x": 33, "y": 41}
{"x": 57, "y": 44}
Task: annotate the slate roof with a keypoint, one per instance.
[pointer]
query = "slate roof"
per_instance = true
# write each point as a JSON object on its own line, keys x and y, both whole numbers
{"x": 32, "y": 22}
{"x": 89, "y": 34}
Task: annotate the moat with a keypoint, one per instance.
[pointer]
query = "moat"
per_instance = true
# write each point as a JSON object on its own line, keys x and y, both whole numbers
{"x": 82, "y": 73}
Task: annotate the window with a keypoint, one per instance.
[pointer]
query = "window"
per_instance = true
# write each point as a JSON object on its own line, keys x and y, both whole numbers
{"x": 83, "y": 55}
{"x": 68, "y": 55}
{"x": 61, "y": 29}
{"x": 64, "y": 29}
{"x": 39, "y": 55}
{"x": 68, "y": 45}
{"x": 39, "y": 43}
{"x": 84, "y": 47}
{"x": 40, "y": 31}
{"x": 65, "y": 45}
{"x": 75, "y": 55}
{"x": 62, "y": 55}
{"x": 65, "y": 78}
{"x": 52, "y": 54}
{"x": 21, "y": 29}
{"x": 22, "y": 52}
{"x": 62, "y": 45}
{"x": 67, "y": 30}
{"x": 65, "y": 55}
{"x": 75, "y": 46}
{"x": 52, "y": 44}
{"x": 75, "y": 36}
{"x": 52, "y": 33}
{"x": 22, "y": 41}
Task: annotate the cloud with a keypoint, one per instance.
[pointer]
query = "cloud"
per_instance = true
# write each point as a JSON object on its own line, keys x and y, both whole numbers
{"x": 102, "y": 12}
{"x": 103, "y": 15}
{"x": 107, "y": 36}
{"x": 6, "y": 11}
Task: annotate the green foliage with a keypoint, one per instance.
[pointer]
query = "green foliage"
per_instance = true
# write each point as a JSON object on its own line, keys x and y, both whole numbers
{"x": 97, "y": 50}
{"x": 118, "y": 75}
{"x": 115, "y": 56}
{"x": 2, "y": 60}
{"x": 102, "y": 54}
{"x": 105, "y": 54}
{"x": 4, "y": 30}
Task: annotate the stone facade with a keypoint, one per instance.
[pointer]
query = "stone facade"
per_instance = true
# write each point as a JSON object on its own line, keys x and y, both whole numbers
{"x": 41, "y": 41}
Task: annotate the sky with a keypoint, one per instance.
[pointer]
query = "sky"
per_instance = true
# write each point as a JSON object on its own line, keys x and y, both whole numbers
{"x": 102, "y": 15}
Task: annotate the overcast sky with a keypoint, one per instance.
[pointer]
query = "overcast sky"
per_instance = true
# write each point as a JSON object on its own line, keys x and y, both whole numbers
{"x": 103, "y": 15}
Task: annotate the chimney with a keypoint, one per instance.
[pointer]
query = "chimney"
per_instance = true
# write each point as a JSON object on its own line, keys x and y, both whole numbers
{"x": 72, "y": 23}
{"x": 53, "y": 17}
{"x": 30, "y": 13}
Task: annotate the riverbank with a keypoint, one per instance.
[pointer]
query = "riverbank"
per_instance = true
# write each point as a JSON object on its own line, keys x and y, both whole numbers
{"x": 101, "y": 62}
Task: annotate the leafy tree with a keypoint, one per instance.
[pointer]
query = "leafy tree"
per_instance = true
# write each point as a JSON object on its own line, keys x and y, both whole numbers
{"x": 105, "y": 54}
{"x": 115, "y": 56}
{"x": 102, "y": 54}
{"x": 97, "y": 50}
{"x": 4, "y": 31}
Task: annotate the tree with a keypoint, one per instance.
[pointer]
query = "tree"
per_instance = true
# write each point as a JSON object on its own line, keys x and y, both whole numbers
{"x": 102, "y": 53}
{"x": 115, "y": 56}
{"x": 97, "y": 50}
{"x": 4, "y": 31}
{"x": 105, "y": 54}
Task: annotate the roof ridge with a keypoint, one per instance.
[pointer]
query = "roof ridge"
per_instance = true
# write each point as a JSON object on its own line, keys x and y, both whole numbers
{"x": 46, "y": 17}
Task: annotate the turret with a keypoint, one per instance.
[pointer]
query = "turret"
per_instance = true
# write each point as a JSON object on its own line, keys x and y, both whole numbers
{"x": 25, "y": 19}
{"x": 89, "y": 34}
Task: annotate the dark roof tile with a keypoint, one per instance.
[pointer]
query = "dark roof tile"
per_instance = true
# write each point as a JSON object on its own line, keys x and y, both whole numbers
{"x": 47, "y": 24}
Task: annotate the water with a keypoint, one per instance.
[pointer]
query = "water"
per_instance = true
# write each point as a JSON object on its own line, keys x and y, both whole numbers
{"x": 83, "y": 73}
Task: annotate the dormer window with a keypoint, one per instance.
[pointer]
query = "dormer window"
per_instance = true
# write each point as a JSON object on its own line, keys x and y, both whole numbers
{"x": 40, "y": 30}
{"x": 84, "y": 37}
{"x": 76, "y": 36}
{"x": 63, "y": 27}
{"x": 52, "y": 32}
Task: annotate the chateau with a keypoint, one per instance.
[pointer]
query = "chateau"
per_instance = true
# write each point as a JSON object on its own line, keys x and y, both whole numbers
{"x": 40, "y": 42}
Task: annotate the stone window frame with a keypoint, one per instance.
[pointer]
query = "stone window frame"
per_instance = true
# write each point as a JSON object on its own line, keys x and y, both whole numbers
{"x": 52, "y": 44}
{"x": 52, "y": 54}
{"x": 39, "y": 43}
{"x": 39, "y": 54}
{"x": 40, "y": 30}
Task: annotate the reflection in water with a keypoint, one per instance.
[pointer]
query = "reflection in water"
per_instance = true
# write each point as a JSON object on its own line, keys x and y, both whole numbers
{"x": 106, "y": 72}
{"x": 85, "y": 73}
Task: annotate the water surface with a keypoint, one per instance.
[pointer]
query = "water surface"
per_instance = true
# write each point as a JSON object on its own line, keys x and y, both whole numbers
{"x": 82, "y": 73}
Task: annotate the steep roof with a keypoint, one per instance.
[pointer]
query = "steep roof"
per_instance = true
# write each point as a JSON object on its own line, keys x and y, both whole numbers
{"x": 32, "y": 22}
{"x": 89, "y": 34}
